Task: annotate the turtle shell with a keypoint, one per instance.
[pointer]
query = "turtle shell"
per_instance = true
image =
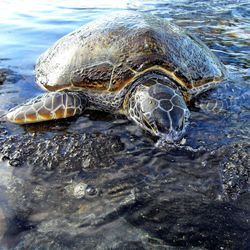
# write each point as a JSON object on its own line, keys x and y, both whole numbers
{"x": 112, "y": 52}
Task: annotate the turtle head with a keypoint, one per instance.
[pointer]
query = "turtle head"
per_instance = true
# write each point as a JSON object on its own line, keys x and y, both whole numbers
{"x": 159, "y": 108}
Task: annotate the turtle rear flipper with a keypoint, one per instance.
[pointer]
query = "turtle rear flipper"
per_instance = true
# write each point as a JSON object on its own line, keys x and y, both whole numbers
{"x": 49, "y": 106}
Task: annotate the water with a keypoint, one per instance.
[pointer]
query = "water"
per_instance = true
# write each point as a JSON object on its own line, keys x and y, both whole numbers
{"x": 99, "y": 182}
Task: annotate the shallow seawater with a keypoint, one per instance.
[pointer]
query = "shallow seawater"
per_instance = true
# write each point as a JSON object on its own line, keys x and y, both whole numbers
{"x": 97, "y": 181}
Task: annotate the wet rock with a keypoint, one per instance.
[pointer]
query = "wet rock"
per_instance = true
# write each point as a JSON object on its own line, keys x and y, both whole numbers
{"x": 236, "y": 170}
{"x": 186, "y": 222}
{"x": 91, "y": 191}
{"x": 8, "y": 76}
{"x": 13, "y": 162}
{"x": 160, "y": 200}
{"x": 185, "y": 210}
{"x": 109, "y": 236}
{"x": 38, "y": 217}
{"x": 2, "y": 76}
{"x": 2, "y": 223}
{"x": 78, "y": 190}
{"x": 3, "y": 132}
{"x": 61, "y": 153}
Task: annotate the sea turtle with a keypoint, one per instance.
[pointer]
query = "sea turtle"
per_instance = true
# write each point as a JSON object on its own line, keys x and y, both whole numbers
{"x": 132, "y": 63}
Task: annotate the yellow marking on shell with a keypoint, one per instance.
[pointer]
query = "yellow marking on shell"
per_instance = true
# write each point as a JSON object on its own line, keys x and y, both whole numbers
{"x": 187, "y": 93}
{"x": 134, "y": 71}
{"x": 167, "y": 72}
{"x": 65, "y": 107}
{"x": 136, "y": 76}
{"x": 171, "y": 74}
{"x": 111, "y": 78}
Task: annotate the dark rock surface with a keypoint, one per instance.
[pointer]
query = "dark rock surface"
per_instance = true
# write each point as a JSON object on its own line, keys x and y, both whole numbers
{"x": 2, "y": 76}
{"x": 8, "y": 76}
{"x": 82, "y": 191}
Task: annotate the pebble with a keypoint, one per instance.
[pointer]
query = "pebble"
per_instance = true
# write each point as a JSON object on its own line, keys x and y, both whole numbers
{"x": 91, "y": 191}
{"x": 80, "y": 190}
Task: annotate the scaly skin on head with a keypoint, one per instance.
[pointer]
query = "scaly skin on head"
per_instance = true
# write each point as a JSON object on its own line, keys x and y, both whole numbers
{"x": 158, "y": 107}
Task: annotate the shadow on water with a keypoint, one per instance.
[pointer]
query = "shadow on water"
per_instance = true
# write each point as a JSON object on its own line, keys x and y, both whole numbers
{"x": 97, "y": 181}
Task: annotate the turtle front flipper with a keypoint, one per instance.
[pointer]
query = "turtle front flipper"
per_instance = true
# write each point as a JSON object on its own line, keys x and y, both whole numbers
{"x": 48, "y": 106}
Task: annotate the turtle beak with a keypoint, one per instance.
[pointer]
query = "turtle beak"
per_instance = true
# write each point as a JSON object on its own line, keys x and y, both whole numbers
{"x": 172, "y": 137}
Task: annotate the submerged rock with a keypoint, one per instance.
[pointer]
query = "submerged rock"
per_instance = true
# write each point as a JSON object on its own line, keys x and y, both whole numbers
{"x": 2, "y": 76}
{"x": 236, "y": 171}
{"x": 61, "y": 153}
{"x": 2, "y": 224}
{"x": 156, "y": 202}
{"x": 8, "y": 76}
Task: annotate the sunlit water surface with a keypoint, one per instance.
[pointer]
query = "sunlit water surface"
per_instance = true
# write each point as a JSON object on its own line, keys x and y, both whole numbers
{"x": 140, "y": 196}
